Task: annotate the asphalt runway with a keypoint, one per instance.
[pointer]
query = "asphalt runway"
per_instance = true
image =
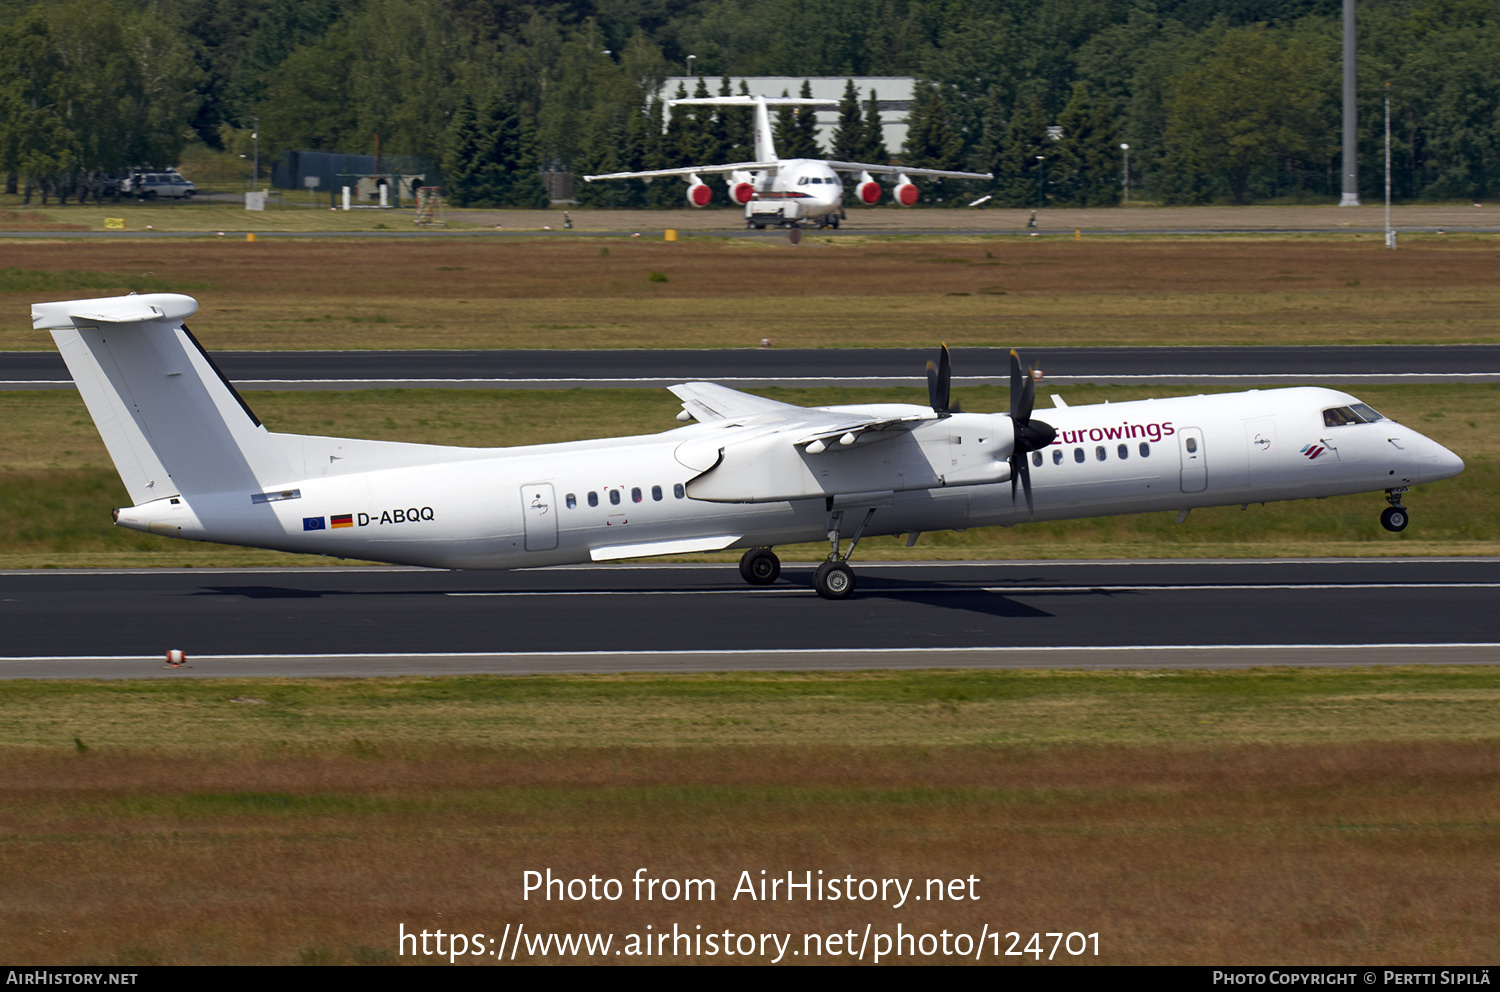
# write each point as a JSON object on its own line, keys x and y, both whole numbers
{"x": 389, "y": 621}
{"x": 1328, "y": 365}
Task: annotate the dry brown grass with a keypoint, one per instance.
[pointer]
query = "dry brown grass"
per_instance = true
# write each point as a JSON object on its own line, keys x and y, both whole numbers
{"x": 589, "y": 293}
{"x": 1241, "y": 854}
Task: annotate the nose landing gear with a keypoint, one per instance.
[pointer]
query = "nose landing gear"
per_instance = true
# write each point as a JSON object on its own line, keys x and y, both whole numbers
{"x": 1395, "y": 516}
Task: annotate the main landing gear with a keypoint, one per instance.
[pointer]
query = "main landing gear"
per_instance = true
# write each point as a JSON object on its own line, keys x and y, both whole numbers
{"x": 760, "y": 566}
{"x": 834, "y": 579}
{"x": 1395, "y": 516}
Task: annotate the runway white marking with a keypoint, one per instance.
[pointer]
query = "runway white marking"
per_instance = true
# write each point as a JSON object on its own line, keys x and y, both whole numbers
{"x": 831, "y": 380}
{"x": 999, "y": 649}
{"x": 1013, "y": 590}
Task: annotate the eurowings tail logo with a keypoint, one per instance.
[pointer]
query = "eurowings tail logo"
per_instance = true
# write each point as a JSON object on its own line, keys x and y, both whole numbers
{"x": 1313, "y": 450}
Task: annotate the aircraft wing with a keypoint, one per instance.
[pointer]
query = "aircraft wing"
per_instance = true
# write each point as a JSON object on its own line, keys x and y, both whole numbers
{"x": 710, "y": 403}
{"x": 709, "y": 169}
{"x": 893, "y": 170}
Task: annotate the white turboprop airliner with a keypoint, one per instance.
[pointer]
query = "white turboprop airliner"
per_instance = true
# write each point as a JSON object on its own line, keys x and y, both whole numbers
{"x": 788, "y": 191}
{"x": 751, "y": 473}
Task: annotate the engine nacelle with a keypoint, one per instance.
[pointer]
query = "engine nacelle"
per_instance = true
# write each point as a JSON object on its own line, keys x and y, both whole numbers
{"x": 699, "y": 195}
{"x": 905, "y": 192}
{"x": 868, "y": 192}
{"x": 742, "y": 192}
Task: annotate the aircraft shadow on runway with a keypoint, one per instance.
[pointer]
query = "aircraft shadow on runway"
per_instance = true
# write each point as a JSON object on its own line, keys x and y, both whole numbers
{"x": 966, "y": 596}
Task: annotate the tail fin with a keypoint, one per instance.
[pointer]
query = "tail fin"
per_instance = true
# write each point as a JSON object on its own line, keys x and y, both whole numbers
{"x": 171, "y": 421}
{"x": 765, "y": 148}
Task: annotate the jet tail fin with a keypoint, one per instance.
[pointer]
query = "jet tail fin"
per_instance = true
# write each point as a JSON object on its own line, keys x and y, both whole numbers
{"x": 171, "y": 421}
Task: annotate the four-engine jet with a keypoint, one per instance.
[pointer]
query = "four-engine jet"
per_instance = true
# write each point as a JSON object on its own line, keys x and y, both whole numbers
{"x": 751, "y": 473}
{"x": 788, "y": 191}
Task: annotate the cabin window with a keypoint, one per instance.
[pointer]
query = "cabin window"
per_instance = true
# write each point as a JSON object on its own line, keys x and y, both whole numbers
{"x": 1192, "y": 445}
{"x": 1123, "y": 451}
{"x": 1099, "y": 454}
{"x": 656, "y": 493}
{"x": 1078, "y": 455}
{"x": 677, "y": 491}
{"x": 593, "y": 499}
{"x": 614, "y": 497}
{"x": 1145, "y": 449}
{"x": 635, "y": 494}
{"x": 1057, "y": 456}
{"x": 572, "y": 501}
{"x": 1036, "y": 459}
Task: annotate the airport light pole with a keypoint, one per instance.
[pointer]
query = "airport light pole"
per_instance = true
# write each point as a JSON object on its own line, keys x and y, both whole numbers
{"x": 1390, "y": 235}
{"x": 1041, "y": 183}
{"x": 1126, "y": 149}
{"x": 255, "y": 137}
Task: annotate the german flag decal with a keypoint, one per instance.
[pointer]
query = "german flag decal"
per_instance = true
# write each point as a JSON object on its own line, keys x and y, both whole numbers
{"x": 342, "y": 520}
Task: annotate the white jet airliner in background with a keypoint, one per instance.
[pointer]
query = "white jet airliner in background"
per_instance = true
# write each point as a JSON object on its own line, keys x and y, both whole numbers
{"x": 751, "y": 473}
{"x": 788, "y": 191}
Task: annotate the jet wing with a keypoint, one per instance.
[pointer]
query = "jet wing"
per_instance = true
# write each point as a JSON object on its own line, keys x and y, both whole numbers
{"x": 896, "y": 170}
{"x": 709, "y": 169}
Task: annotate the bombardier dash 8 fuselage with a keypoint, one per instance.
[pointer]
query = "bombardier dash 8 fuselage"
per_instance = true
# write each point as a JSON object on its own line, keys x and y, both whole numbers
{"x": 751, "y": 473}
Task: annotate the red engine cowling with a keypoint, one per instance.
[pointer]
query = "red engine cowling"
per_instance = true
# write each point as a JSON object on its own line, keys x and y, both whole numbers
{"x": 742, "y": 192}
{"x": 868, "y": 193}
{"x": 698, "y": 195}
{"x": 906, "y": 194}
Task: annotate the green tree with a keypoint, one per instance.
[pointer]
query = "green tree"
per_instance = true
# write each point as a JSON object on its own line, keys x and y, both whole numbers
{"x": 795, "y": 130}
{"x": 1088, "y": 167}
{"x": 873, "y": 148}
{"x": 1025, "y": 158}
{"x": 1260, "y": 101}
{"x": 932, "y": 142}
{"x": 849, "y": 134}
{"x": 463, "y": 154}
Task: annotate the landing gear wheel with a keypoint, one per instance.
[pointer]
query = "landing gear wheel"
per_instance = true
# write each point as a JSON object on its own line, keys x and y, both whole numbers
{"x": 760, "y": 566}
{"x": 1394, "y": 518}
{"x": 834, "y": 580}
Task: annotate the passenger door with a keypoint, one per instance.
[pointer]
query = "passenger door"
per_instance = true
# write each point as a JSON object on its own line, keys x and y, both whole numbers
{"x": 539, "y": 510}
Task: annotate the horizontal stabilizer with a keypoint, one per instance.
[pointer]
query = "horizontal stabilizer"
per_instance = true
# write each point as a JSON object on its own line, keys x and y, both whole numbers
{"x": 114, "y": 310}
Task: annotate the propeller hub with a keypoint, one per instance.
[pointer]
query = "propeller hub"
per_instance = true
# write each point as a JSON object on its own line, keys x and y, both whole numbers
{"x": 1034, "y": 435}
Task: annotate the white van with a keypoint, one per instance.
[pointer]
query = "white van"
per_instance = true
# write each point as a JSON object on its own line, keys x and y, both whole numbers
{"x": 150, "y": 185}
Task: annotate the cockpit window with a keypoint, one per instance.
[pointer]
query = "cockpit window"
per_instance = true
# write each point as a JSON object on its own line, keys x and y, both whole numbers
{"x": 1338, "y": 416}
{"x": 1356, "y": 413}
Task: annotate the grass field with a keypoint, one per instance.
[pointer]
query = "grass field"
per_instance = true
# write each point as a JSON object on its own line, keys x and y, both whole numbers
{"x": 588, "y": 293}
{"x": 1267, "y": 816}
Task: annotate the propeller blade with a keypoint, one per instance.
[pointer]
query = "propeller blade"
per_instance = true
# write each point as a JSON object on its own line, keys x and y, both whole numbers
{"x": 1022, "y": 390}
{"x": 1031, "y": 435}
{"x": 939, "y": 381}
{"x": 1015, "y": 383}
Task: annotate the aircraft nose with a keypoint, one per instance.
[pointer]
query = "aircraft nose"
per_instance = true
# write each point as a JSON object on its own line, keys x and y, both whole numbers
{"x": 1438, "y": 463}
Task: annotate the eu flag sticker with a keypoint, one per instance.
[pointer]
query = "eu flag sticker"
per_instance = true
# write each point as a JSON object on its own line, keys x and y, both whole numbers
{"x": 312, "y": 523}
